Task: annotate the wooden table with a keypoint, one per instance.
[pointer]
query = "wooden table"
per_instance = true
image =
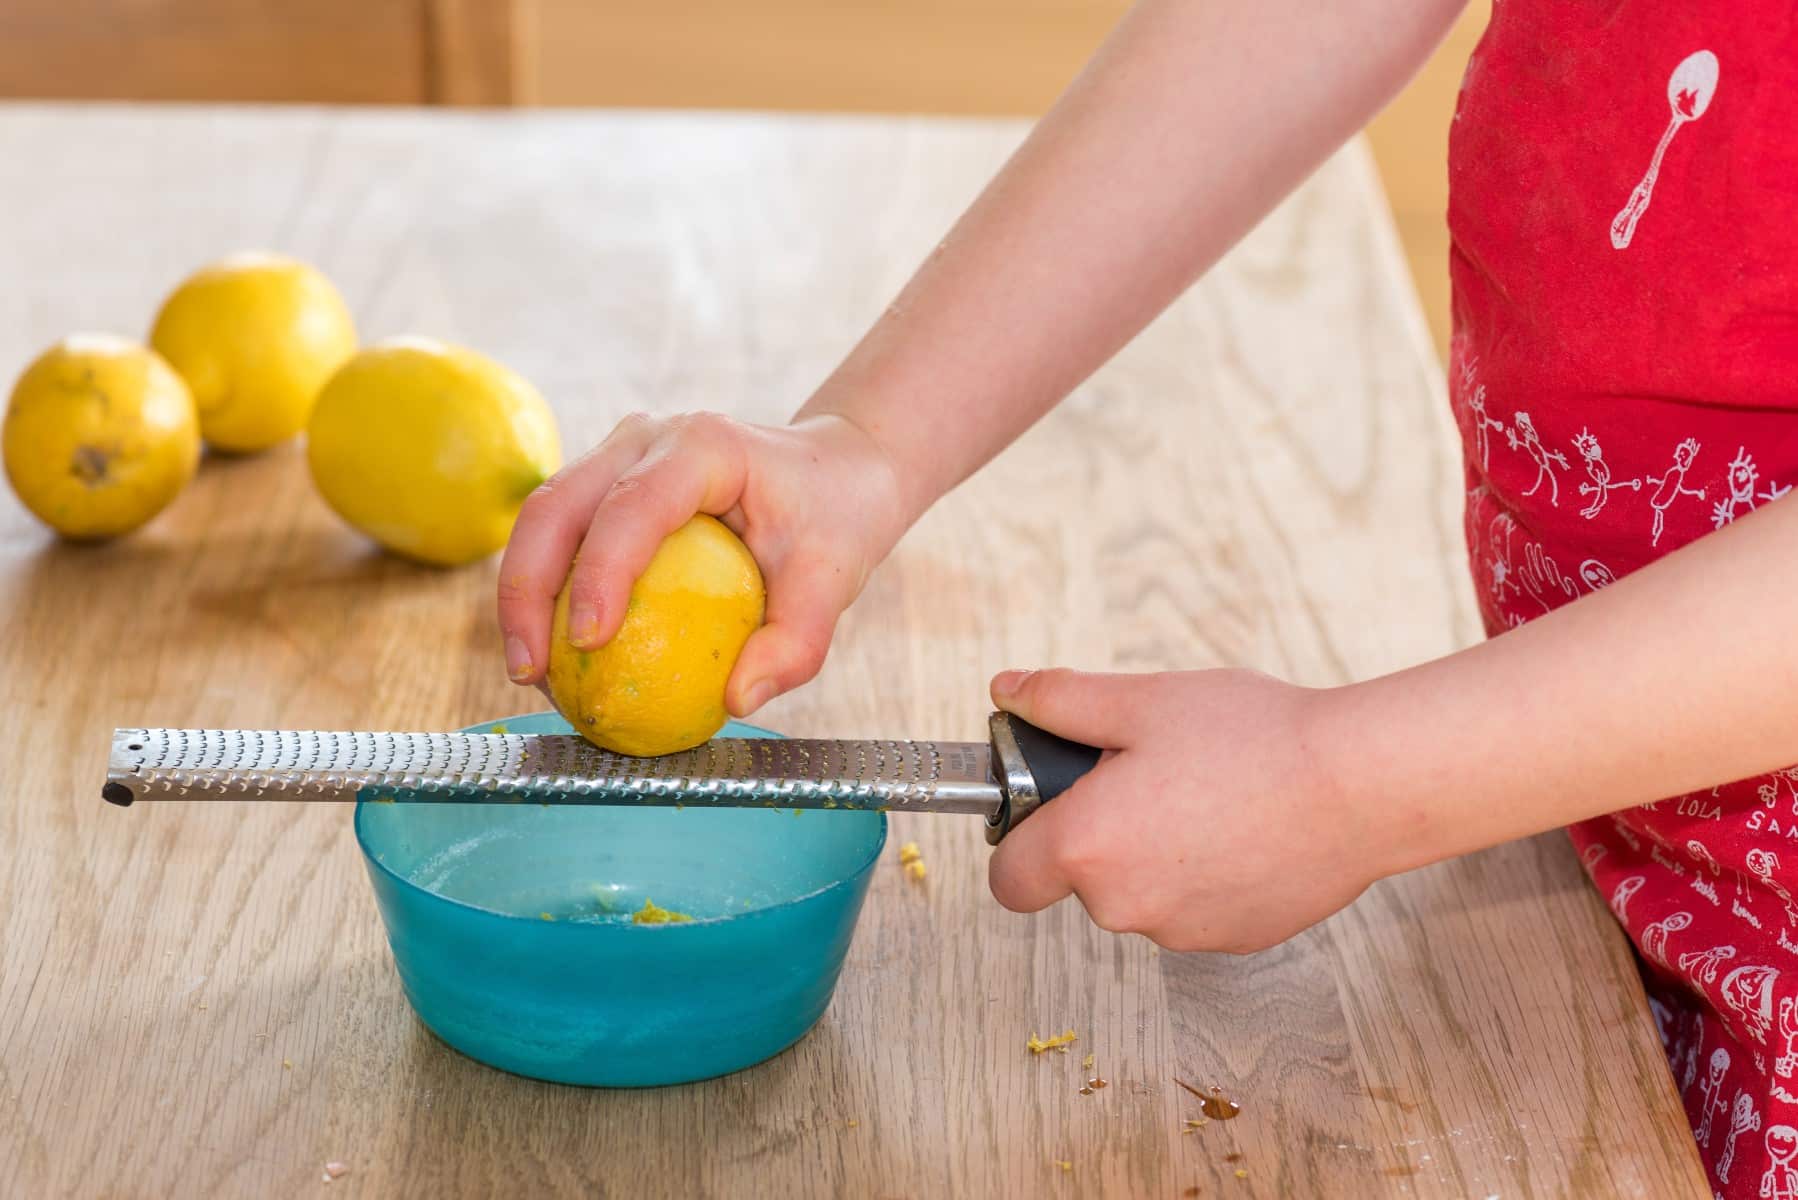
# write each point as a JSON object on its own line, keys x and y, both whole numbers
{"x": 199, "y": 1000}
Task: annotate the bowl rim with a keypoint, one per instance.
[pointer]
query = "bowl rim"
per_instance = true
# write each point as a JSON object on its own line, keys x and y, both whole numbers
{"x": 844, "y": 881}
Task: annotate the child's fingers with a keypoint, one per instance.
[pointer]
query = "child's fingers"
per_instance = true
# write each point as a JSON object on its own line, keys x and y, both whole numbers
{"x": 803, "y": 606}
{"x": 1048, "y": 855}
{"x": 549, "y": 528}
{"x": 1028, "y": 871}
{"x": 696, "y": 465}
{"x": 1068, "y": 847}
{"x": 1099, "y": 710}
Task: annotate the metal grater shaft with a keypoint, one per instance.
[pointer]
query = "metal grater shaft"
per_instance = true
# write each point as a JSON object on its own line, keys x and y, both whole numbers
{"x": 238, "y": 764}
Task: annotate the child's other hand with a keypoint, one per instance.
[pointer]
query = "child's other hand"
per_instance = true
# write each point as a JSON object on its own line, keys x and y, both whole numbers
{"x": 1213, "y": 823}
{"x": 816, "y": 503}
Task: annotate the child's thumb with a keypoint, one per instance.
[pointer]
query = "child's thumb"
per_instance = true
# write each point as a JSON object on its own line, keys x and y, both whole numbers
{"x": 1098, "y": 710}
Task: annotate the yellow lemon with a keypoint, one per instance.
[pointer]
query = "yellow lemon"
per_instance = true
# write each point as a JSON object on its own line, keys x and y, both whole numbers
{"x": 430, "y": 449}
{"x": 99, "y": 436}
{"x": 255, "y": 336}
{"x": 658, "y": 686}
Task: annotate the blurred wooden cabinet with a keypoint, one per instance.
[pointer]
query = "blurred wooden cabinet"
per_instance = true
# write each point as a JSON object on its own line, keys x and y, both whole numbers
{"x": 328, "y": 51}
{"x": 938, "y": 56}
{"x": 972, "y": 56}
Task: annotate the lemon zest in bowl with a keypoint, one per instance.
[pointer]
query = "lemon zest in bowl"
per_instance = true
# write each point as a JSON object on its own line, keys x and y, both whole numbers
{"x": 654, "y": 914}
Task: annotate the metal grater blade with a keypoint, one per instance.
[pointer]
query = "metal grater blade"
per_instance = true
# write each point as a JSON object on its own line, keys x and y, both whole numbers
{"x": 239, "y": 764}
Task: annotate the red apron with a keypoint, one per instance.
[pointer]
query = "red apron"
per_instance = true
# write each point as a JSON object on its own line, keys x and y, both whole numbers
{"x": 1624, "y": 371}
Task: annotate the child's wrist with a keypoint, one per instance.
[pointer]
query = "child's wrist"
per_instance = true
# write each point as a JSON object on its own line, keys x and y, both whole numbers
{"x": 847, "y": 432}
{"x": 871, "y": 473}
{"x": 1374, "y": 780}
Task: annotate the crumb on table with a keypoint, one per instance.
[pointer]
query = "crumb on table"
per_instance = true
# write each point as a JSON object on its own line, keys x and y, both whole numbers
{"x": 1063, "y": 1163}
{"x": 335, "y": 1170}
{"x": 1060, "y": 1041}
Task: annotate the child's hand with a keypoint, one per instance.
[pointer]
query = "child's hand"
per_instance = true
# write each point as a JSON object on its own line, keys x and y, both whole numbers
{"x": 1213, "y": 823}
{"x": 816, "y": 503}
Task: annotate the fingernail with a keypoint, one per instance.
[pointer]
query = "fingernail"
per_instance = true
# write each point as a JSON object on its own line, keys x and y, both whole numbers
{"x": 584, "y": 631}
{"x": 518, "y": 660}
{"x": 1006, "y": 683}
{"x": 758, "y": 694}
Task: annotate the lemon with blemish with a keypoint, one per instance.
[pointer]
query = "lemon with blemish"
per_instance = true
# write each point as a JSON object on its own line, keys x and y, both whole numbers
{"x": 255, "y": 336}
{"x": 658, "y": 685}
{"x": 100, "y": 434}
{"x": 430, "y": 449}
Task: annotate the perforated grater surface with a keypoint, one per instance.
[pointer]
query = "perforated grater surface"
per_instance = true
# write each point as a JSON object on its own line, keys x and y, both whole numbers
{"x": 1003, "y": 780}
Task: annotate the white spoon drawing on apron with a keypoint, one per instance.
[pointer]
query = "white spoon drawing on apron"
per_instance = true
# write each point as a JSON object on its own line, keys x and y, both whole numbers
{"x": 1689, "y": 92}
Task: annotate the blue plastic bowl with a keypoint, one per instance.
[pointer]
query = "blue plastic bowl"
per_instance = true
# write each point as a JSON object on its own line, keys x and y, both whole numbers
{"x": 512, "y": 930}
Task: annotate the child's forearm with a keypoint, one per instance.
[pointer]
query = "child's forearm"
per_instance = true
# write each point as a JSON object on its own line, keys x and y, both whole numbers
{"x": 1679, "y": 677}
{"x": 1192, "y": 122}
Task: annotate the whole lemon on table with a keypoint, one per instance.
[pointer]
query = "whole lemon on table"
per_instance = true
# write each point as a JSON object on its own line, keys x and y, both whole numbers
{"x": 255, "y": 336}
{"x": 658, "y": 686}
{"x": 430, "y": 449}
{"x": 100, "y": 434}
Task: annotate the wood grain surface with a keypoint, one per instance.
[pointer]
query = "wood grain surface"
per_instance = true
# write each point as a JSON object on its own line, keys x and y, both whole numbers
{"x": 199, "y": 1000}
